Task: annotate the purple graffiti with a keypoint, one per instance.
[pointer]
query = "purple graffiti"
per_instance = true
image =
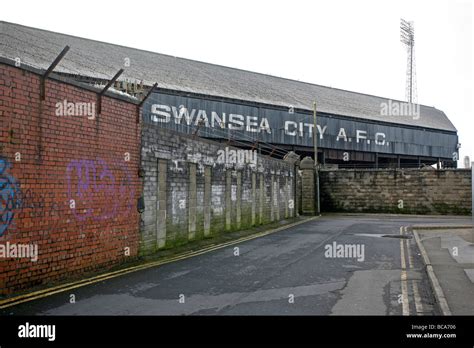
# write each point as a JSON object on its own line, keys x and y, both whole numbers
{"x": 9, "y": 196}
{"x": 92, "y": 182}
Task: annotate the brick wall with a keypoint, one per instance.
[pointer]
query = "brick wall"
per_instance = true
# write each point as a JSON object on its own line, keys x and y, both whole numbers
{"x": 68, "y": 184}
{"x": 401, "y": 191}
{"x": 190, "y": 194}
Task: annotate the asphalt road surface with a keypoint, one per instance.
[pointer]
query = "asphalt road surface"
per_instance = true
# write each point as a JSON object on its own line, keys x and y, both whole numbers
{"x": 376, "y": 269}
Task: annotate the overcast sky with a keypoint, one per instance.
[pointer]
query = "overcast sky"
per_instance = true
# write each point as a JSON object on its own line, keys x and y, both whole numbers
{"x": 353, "y": 45}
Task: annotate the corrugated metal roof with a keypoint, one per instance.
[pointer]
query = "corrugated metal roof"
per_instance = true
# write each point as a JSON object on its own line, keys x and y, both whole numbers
{"x": 38, "y": 48}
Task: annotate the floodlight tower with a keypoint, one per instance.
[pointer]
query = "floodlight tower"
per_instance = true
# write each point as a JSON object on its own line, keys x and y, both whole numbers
{"x": 407, "y": 36}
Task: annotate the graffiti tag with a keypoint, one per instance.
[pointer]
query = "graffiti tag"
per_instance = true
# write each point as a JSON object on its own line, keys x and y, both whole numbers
{"x": 98, "y": 191}
{"x": 9, "y": 196}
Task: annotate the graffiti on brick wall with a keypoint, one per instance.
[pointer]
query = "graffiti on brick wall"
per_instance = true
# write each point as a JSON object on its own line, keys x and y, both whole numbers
{"x": 9, "y": 196}
{"x": 40, "y": 205}
{"x": 98, "y": 191}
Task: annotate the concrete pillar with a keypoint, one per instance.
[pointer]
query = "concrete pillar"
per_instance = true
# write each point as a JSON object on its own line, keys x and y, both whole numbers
{"x": 307, "y": 186}
{"x": 272, "y": 197}
{"x": 261, "y": 199}
{"x": 192, "y": 204}
{"x": 207, "y": 200}
{"x": 239, "y": 200}
{"x": 228, "y": 200}
{"x": 292, "y": 198}
{"x": 161, "y": 203}
{"x": 254, "y": 197}
{"x": 276, "y": 197}
{"x": 298, "y": 187}
{"x": 294, "y": 192}
{"x": 287, "y": 196}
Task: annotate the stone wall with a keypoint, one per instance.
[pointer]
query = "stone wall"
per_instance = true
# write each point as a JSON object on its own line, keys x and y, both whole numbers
{"x": 401, "y": 191}
{"x": 194, "y": 189}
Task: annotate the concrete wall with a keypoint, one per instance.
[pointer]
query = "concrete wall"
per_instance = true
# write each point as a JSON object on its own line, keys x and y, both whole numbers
{"x": 401, "y": 191}
{"x": 191, "y": 193}
{"x": 68, "y": 183}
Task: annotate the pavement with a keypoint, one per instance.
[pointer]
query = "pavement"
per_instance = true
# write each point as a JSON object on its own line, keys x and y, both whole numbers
{"x": 334, "y": 265}
{"x": 450, "y": 252}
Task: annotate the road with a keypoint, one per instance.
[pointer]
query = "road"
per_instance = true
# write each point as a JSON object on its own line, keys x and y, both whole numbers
{"x": 290, "y": 272}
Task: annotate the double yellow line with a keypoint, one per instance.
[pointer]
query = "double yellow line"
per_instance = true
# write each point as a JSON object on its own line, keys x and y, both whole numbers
{"x": 404, "y": 277}
{"x": 73, "y": 285}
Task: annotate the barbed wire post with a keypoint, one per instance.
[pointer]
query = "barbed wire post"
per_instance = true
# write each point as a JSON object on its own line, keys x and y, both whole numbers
{"x": 49, "y": 71}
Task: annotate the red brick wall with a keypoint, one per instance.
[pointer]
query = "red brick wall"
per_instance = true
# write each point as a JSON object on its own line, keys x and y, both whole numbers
{"x": 72, "y": 192}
